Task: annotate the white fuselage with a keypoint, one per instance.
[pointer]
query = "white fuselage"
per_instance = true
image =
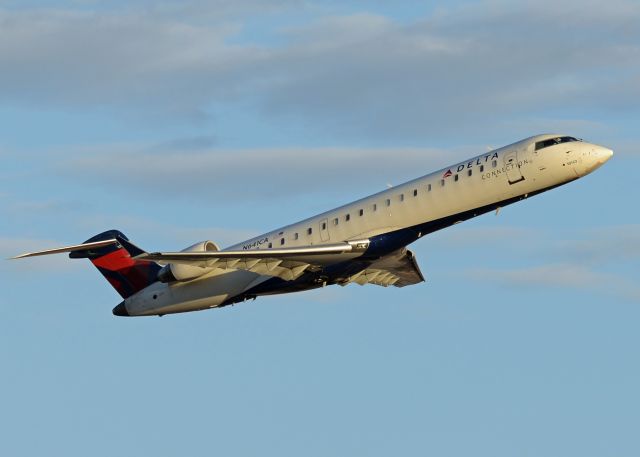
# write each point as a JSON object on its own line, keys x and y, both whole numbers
{"x": 517, "y": 170}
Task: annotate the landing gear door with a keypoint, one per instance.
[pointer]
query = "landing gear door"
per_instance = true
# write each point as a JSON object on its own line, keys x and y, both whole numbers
{"x": 512, "y": 167}
{"x": 324, "y": 230}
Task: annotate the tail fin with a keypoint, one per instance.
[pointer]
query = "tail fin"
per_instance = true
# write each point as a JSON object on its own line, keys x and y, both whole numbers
{"x": 114, "y": 261}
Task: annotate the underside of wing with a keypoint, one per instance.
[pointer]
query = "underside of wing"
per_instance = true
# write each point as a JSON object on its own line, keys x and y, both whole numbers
{"x": 396, "y": 269}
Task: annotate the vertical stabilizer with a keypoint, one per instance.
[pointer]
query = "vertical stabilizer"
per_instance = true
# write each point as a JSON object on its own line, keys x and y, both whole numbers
{"x": 115, "y": 262}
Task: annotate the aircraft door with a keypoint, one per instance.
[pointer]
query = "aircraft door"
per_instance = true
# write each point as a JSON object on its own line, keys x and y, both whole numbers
{"x": 512, "y": 168}
{"x": 324, "y": 230}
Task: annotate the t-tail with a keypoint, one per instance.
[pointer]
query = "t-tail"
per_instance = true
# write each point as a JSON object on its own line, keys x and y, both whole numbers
{"x": 115, "y": 262}
{"x": 113, "y": 255}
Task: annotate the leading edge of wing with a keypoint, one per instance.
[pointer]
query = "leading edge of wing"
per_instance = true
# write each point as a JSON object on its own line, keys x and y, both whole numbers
{"x": 75, "y": 247}
{"x": 303, "y": 251}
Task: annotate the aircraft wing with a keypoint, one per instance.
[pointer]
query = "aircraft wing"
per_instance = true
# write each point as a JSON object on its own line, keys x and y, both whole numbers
{"x": 396, "y": 269}
{"x": 285, "y": 263}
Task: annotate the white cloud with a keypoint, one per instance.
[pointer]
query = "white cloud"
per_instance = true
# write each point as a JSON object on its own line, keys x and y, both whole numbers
{"x": 358, "y": 75}
{"x": 557, "y": 275}
{"x": 567, "y": 275}
{"x": 589, "y": 260}
{"x": 472, "y": 66}
{"x": 255, "y": 173}
{"x": 124, "y": 58}
{"x": 589, "y": 246}
{"x": 613, "y": 244}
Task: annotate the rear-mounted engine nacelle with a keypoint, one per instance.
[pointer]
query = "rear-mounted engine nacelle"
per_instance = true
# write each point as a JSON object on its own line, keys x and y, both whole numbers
{"x": 183, "y": 272}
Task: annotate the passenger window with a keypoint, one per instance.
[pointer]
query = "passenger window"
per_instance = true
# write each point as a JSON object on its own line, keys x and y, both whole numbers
{"x": 388, "y": 202}
{"x": 270, "y": 245}
{"x": 415, "y": 192}
{"x": 442, "y": 182}
{"x": 281, "y": 240}
{"x": 494, "y": 163}
{"x": 324, "y": 227}
{"x": 401, "y": 197}
{"x": 469, "y": 172}
{"x": 375, "y": 206}
{"x": 310, "y": 230}
{"x": 455, "y": 178}
{"x": 361, "y": 212}
{"x": 347, "y": 217}
{"x": 335, "y": 221}
{"x": 481, "y": 168}
{"x": 295, "y": 236}
{"x": 429, "y": 188}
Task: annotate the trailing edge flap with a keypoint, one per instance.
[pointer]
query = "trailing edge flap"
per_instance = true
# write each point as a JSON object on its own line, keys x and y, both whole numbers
{"x": 285, "y": 263}
{"x": 396, "y": 269}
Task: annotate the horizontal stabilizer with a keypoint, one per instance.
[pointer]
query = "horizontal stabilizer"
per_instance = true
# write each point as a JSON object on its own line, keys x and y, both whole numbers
{"x": 76, "y": 247}
{"x": 112, "y": 254}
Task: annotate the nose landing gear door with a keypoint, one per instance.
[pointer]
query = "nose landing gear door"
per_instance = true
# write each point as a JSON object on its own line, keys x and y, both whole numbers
{"x": 512, "y": 167}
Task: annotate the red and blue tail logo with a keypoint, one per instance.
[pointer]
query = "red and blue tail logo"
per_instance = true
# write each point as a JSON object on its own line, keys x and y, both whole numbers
{"x": 115, "y": 262}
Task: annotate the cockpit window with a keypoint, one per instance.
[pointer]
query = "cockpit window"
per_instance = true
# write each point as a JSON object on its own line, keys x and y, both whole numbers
{"x": 554, "y": 141}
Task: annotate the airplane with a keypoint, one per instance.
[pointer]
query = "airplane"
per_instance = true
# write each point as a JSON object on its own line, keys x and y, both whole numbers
{"x": 364, "y": 242}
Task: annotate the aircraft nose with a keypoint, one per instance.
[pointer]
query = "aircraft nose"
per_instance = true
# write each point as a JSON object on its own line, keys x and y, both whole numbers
{"x": 120, "y": 310}
{"x": 594, "y": 156}
{"x": 607, "y": 154}
{"x": 602, "y": 154}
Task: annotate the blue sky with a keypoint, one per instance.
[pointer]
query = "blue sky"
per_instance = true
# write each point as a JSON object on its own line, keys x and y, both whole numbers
{"x": 182, "y": 121}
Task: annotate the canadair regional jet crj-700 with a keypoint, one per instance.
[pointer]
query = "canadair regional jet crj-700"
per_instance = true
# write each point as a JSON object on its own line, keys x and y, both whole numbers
{"x": 363, "y": 242}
